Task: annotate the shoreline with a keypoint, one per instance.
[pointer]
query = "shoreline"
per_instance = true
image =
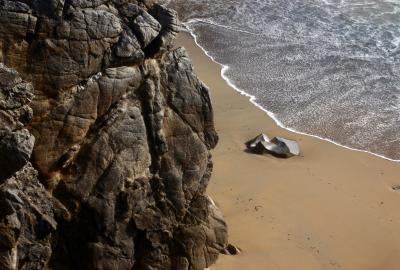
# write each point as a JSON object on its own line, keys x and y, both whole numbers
{"x": 253, "y": 100}
{"x": 330, "y": 208}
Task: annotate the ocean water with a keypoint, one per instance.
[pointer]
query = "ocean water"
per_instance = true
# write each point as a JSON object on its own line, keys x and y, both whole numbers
{"x": 328, "y": 68}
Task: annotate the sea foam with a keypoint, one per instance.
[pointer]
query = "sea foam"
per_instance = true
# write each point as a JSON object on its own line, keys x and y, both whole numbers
{"x": 313, "y": 67}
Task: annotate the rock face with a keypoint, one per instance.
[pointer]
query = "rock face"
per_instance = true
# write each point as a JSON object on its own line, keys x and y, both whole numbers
{"x": 16, "y": 143}
{"x": 109, "y": 168}
{"x": 27, "y": 220}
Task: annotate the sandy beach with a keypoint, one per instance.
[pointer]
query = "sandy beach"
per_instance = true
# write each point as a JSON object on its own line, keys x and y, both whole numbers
{"x": 329, "y": 208}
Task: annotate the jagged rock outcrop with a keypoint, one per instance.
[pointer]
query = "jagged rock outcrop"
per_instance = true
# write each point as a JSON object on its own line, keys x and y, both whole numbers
{"x": 16, "y": 143}
{"x": 27, "y": 220}
{"x": 123, "y": 130}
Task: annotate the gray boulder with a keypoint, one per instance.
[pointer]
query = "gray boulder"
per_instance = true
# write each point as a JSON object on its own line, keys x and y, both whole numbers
{"x": 286, "y": 147}
{"x": 278, "y": 146}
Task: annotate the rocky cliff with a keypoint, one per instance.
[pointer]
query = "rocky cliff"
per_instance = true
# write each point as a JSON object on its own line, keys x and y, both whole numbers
{"x": 105, "y": 138}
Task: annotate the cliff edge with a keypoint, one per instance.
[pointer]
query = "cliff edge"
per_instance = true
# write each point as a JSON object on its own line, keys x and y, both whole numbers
{"x": 105, "y": 138}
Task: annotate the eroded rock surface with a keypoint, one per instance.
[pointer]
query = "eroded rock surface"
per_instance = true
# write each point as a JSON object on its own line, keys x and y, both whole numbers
{"x": 123, "y": 130}
{"x": 16, "y": 143}
{"x": 27, "y": 219}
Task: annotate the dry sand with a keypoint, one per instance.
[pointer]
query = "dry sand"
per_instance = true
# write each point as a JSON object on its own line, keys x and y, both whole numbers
{"x": 330, "y": 208}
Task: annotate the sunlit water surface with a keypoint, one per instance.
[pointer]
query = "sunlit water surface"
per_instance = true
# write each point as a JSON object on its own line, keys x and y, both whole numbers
{"x": 327, "y": 68}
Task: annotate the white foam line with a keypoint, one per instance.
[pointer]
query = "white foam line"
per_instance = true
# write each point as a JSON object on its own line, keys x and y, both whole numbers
{"x": 219, "y": 25}
{"x": 253, "y": 99}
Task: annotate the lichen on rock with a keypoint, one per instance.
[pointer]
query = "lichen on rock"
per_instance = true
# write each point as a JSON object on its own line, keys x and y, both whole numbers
{"x": 112, "y": 162}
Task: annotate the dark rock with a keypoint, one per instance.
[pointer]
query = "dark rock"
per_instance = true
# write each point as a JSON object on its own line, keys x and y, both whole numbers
{"x": 49, "y": 8}
{"x": 15, "y": 151}
{"x": 146, "y": 27}
{"x": 170, "y": 27}
{"x": 232, "y": 250}
{"x": 27, "y": 223}
{"x": 123, "y": 131}
{"x": 16, "y": 143}
{"x": 129, "y": 47}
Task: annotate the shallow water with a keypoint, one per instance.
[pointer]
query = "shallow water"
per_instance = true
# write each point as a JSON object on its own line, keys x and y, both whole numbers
{"x": 328, "y": 68}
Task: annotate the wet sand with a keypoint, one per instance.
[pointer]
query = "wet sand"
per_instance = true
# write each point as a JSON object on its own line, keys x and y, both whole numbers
{"x": 329, "y": 208}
